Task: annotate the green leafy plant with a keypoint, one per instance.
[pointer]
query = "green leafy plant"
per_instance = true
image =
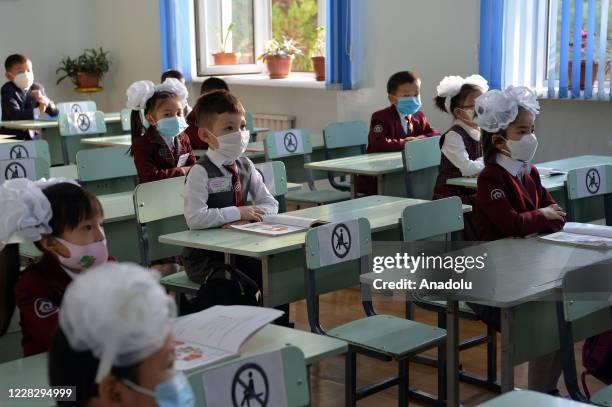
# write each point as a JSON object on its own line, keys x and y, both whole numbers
{"x": 285, "y": 48}
{"x": 223, "y": 39}
{"x": 93, "y": 61}
{"x": 319, "y": 45}
{"x": 297, "y": 19}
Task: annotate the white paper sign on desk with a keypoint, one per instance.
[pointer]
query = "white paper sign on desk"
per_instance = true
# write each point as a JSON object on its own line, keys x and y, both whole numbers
{"x": 257, "y": 381}
{"x": 289, "y": 142}
{"x": 82, "y": 123}
{"x": 17, "y": 150}
{"x": 591, "y": 181}
{"x": 339, "y": 242}
{"x": 11, "y": 169}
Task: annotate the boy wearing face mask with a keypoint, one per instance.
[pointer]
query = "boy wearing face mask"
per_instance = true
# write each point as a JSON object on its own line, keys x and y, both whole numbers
{"x": 22, "y": 99}
{"x": 397, "y": 124}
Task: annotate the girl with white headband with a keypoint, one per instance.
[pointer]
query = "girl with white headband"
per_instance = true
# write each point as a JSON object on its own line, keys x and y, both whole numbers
{"x": 160, "y": 146}
{"x": 510, "y": 199}
{"x": 65, "y": 222}
{"x": 114, "y": 342}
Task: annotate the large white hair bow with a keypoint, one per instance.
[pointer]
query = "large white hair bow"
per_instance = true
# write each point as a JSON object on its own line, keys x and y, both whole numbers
{"x": 25, "y": 211}
{"x": 496, "y": 109}
{"x": 450, "y": 86}
{"x": 141, "y": 91}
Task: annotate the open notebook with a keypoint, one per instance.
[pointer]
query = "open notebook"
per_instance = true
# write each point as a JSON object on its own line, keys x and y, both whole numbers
{"x": 583, "y": 234}
{"x": 277, "y": 225}
{"x": 546, "y": 172}
{"x": 216, "y": 334}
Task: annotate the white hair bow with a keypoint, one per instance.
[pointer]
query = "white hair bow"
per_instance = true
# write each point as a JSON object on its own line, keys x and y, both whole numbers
{"x": 141, "y": 91}
{"x": 450, "y": 86}
{"x": 496, "y": 109}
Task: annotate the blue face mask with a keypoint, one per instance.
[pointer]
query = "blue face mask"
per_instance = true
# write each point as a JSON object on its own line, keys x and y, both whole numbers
{"x": 408, "y": 105}
{"x": 174, "y": 392}
{"x": 171, "y": 126}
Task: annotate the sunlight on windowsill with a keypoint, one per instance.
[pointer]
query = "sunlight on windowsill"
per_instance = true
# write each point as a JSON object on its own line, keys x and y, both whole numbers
{"x": 295, "y": 80}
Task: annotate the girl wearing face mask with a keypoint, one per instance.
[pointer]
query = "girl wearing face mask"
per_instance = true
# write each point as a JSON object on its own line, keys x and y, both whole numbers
{"x": 114, "y": 342}
{"x": 65, "y": 222}
{"x": 160, "y": 146}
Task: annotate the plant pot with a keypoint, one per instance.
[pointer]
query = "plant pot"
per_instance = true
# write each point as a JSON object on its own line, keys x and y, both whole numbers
{"x": 225, "y": 58}
{"x": 319, "y": 67}
{"x": 279, "y": 67}
{"x": 582, "y": 73}
{"x": 87, "y": 80}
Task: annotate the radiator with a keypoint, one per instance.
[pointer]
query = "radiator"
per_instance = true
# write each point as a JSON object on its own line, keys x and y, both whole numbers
{"x": 274, "y": 122}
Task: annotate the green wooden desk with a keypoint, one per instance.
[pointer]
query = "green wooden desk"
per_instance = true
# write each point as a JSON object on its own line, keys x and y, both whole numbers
{"x": 51, "y": 134}
{"x": 109, "y": 141}
{"x": 587, "y": 210}
{"x": 386, "y": 167}
{"x": 282, "y": 257}
{"x": 32, "y": 371}
{"x": 518, "y": 277}
{"x": 527, "y": 398}
{"x": 64, "y": 171}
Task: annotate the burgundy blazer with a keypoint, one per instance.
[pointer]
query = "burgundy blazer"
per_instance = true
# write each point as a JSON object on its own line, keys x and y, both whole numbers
{"x": 155, "y": 161}
{"x": 192, "y": 133}
{"x": 508, "y": 207}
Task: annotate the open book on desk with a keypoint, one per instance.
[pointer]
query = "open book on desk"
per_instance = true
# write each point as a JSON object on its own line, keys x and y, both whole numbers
{"x": 278, "y": 225}
{"x": 216, "y": 334}
{"x": 583, "y": 234}
{"x": 546, "y": 172}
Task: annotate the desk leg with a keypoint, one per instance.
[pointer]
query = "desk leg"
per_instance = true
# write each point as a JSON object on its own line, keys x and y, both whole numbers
{"x": 507, "y": 350}
{"x": 353, "y": 186}
{"x": 452, "y": 353}
{"x": 65, "y": 151}
{"x": 380, "y": 184}
{"x": 265, "y": 279}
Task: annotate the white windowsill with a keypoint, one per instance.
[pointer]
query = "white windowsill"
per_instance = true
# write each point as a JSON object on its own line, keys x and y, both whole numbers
{"x": 304, "y": 80}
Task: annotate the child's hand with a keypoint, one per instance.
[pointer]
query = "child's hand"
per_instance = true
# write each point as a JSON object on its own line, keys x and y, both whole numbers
{"x": 185, "y": 170}
{"x": 42, "y": 105}
{"x": 238, "y": 222}
{"x": 251, "y": 213}
{"x": 553, "y": 212}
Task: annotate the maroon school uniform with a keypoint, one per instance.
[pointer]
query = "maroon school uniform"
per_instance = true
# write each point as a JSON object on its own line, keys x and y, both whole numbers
{"x": 155, "y": 161}
{"x": 387, "y": 134}
{"x": 192, "y": 133}
{"x": 38, "y": 295}
{"x": 507, "y": 206}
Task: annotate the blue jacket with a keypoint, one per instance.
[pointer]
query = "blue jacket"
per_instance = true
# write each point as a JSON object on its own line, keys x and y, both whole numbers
{"x": 18, "y": 104}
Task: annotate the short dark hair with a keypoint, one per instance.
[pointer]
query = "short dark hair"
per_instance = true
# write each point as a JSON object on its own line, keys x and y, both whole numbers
{"x": 172, "y": 73}
{"x": 216, "y": 102}
{"x": 213, "y": 83}
{"x": 458, "y": 100}
{"x": 400, "y": 78}
{"x": 14, "y": 59}
{"x": 67, "y": 367}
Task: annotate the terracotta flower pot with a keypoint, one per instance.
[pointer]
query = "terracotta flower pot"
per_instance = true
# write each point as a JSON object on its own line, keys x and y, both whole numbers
{"x": 319, "y": 67}
{"x": 225, "y": 58}
{"x": 88, "y": 80}
{"x": 582, "y": 73}
{"x": 279, "y": 67}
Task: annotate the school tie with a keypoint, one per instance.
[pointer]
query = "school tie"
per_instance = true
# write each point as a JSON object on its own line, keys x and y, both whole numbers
{"x": 237, "y": 185}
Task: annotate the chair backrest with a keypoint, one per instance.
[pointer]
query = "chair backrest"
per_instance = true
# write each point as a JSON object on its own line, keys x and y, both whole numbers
{"x": 587, "y": 290}
{"x": 274, "y": 176}
{"x": 588, "y": 182}
{"x": 10, "y": 342}
{"x": 433, "y": 218}
{"x": 338, "y": 242}
{"x": 345, "y": 134}
{"x": 421, "y": 159}
{"x": 79, "y": 124}
{"x": 106, "y": 170}
{"x": 276, "y": 378}
{"x": 293, "y": 142}
{"x": 31, "y": 168}
{"x": 157, "y": 216}
{"x": 126, "y": 119}
{"x": 249, "y": 121}
{"x": 77, "y": 106}
{"x": 25, "y": 149}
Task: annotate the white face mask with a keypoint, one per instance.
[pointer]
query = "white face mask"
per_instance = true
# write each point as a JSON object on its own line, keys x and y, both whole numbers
{"x": 24, "y": 80}
{"x": 233, "y": 145}
{"x": 523, "y": 149}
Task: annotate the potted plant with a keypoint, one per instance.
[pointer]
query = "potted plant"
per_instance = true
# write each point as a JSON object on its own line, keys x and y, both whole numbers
{"x": 582, "y": 63}
{"x": 87, "y": 70}
{"x": 278, "y": 57}
{"x": 223, "y": 57}
{"x": 318, "y": 58}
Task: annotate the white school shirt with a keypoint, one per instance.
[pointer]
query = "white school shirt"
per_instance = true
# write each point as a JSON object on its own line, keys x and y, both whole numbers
{"x": 197, "y": 213}
{"x": 403, "y": 120}
{"x": 516, "y": 168}
{"x": 454, "y": 149}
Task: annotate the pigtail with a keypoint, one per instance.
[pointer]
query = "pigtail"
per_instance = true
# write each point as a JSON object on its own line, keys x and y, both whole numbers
{"x": 9, "y": 272}
{"x": 137, "y": 127}
{"x": 440, "y": 103}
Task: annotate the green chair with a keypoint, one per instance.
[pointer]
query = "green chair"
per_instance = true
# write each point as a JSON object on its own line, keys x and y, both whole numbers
{"x": 79, "y": 125}
{"x": 344, "y": 139}
{"x": 30, "y": 168}
{"x": 432, "y": 220}
{"x": 421, "y": 160}
{"x": 77, "y": 106}
{"x": 275, "y": 178}
{"x": 106, "y": 170}
{"x": 249, "y": 122}
{"x": 25, "y": 149}
{"x": 295, "y": 143}
{"x": 381, "y": 337}
{"x": 589, "y": 182}
{"x": 529, "y": 398}
{"x": 262, "y": 370}
{"x": 586, "y": 292}
{"x": 10, "y": 342}
{"x": 126, "y": 119}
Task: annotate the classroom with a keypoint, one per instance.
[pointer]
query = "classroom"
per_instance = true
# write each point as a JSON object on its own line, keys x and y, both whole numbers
{"x": 306, "y": 203}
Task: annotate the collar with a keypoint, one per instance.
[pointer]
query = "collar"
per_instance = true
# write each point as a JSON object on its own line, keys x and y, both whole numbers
{"x": 217, "y": 158}
{"x": 516, "y": 168}
{"x": 474, "y": 133}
